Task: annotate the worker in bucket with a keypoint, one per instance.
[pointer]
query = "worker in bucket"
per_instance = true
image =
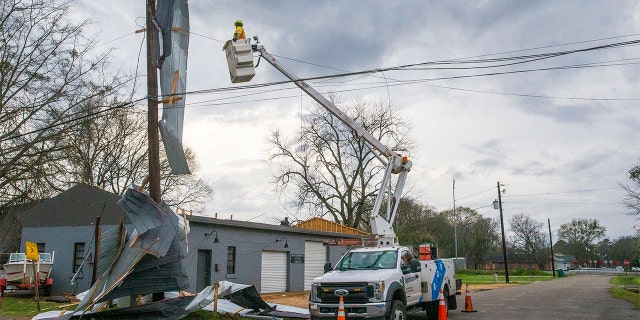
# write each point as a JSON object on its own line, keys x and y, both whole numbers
{"x": 239, "y": 33}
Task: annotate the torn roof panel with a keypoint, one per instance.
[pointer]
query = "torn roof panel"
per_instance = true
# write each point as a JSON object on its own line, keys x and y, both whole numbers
{"x": 173, "y": 79}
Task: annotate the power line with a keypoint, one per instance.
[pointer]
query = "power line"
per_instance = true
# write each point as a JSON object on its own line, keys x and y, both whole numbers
{"x": 527, "y": 58}
{"x": 557, "y": 193}
{"x": 82, "y": 117}
{"x": 475, "y": 194}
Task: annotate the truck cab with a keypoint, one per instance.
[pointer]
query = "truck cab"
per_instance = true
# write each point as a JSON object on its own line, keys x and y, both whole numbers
{"x": 381, "y": 282}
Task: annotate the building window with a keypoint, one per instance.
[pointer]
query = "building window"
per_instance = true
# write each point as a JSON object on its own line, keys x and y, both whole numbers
{"x": 40, "y": 247}
{"x": 78, "y": 255}
{"x": 231, "y": 260}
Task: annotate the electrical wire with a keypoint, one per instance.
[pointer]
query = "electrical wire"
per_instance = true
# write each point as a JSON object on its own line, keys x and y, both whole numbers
{"x": 526, "y": 58}
{"x": 555, "y": 193}
{"x": 82, "y": 117}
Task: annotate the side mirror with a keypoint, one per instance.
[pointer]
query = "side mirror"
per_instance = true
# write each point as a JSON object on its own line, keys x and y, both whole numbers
{"x": 415, "y": 265}
{"x": 327, "y": 267}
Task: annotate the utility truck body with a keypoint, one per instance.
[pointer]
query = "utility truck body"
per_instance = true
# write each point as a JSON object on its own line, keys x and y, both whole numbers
{"x": 378, "y": 283}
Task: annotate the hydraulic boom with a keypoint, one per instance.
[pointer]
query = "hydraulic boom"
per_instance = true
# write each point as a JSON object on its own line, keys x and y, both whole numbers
{"x": 394, "y": 162}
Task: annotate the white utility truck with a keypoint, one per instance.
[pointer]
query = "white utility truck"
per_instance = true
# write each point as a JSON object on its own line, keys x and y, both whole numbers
{"x": 383, "y": 280}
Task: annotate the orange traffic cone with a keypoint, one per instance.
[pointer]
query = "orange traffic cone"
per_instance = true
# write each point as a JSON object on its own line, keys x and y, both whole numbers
{"x": 341, "y": 315}
{"x": 442, "y": 307}
{"x": 468, "y": 306}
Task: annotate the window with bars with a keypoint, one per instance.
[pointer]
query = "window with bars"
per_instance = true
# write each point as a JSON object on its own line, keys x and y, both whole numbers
{"x": 78, "y": 255}
{"x": 231, "y": 260}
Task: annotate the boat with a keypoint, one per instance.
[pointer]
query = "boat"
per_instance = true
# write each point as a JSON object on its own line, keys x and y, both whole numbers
{"x": 20, "y": 272}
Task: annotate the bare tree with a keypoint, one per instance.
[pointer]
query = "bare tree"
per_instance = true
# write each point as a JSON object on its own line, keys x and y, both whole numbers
{"x": 111, "y": 152}
{"x": 46, "y": 67}
{"x": 330, "y": 171}
{"x": 62, "y": 120}
{"x": 529, "y": 239}
{"x": 632, "y": 198}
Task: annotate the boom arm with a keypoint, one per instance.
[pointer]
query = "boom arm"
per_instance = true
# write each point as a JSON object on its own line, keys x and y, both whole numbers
{"x": 395, "y": 163}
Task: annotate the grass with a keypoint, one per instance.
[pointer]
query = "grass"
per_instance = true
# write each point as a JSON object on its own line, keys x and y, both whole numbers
{"x": 26, "y": 307}
{"x": 520, "y": 276}
{"x": 620, "y": 292}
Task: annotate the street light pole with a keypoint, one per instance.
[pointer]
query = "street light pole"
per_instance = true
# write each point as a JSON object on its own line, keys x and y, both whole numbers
{"x": 455, "y": 220}
{"x": 498, "y": 205}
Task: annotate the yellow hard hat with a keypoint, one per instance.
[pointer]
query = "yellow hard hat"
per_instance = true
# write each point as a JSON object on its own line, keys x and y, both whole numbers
{"x": 237, "y": 23}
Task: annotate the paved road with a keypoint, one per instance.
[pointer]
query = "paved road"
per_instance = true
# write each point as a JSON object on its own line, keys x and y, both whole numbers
{"x": 575, "y": 297}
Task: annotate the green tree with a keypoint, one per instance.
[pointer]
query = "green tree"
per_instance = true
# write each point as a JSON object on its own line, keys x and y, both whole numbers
{"x": 416, "y": 223}
{"x": 478, "y": 236}
{"x": 328, "y": 170}
{"x": 581, "y": 235}
{"x": 625, "y": 248}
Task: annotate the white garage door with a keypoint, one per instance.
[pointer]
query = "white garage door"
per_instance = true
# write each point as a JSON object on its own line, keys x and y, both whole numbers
{"x": 315, "y": 256}
{"x": 274, "y": 272}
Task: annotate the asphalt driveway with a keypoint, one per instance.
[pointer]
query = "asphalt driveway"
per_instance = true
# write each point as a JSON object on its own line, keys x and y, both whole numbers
{"x": 575, "y": 297}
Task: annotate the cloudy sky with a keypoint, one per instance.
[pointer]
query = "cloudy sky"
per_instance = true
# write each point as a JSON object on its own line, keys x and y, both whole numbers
{"x": 560, "y": 133}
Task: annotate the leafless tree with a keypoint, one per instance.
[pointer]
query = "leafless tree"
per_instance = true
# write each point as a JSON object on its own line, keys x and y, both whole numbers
{"x": 110, "y": 152}
{"x": 62, "y": 120}
{"x": 529, "y": 239}
{"x": 330, "y": 171}
{"x": 46, "y": 67}
{"x": 632, "y": 198}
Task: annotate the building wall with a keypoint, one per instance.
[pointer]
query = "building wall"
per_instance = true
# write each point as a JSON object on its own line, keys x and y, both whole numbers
{"x": 61, "y": 240}
{"x": 249, "y": 243}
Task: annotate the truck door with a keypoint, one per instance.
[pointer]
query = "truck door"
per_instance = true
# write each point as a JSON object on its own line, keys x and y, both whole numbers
{"x": 410, "y": 278}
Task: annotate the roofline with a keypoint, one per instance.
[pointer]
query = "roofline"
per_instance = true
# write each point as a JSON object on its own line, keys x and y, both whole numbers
{"x": 270, "y": 227}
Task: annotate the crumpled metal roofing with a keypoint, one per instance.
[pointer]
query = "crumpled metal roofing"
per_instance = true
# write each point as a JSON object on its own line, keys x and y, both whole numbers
{"x": 149, "y": 262}
{"x": 172, "y": 18}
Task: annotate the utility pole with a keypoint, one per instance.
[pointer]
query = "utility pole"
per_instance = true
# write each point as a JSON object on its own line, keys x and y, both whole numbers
{"x": 553, "y": 263}
{"x": 455, "y": 220}
{"x": 152, "y": 111}
{"x": 152, "y": 107}
{"x": 504, "y": 242}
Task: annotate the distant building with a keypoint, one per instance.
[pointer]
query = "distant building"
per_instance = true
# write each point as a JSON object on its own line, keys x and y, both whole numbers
{"x": 515, "y": 262}
{"x": 274, "y": 258}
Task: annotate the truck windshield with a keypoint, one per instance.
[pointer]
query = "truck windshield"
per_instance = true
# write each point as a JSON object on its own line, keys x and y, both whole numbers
{"x": 370, "y": 260}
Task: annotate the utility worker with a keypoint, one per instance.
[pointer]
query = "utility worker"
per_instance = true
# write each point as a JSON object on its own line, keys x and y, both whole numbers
{"x": 406, "y": 259}
{"x": 239, "y": 33}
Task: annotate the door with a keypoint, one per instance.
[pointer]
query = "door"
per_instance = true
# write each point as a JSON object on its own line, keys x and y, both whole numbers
{"x": 315, "y": 255}
{"x": 410, "y": 278}
{"x": 203, "y": 269}
{"x": 274, "y": 272}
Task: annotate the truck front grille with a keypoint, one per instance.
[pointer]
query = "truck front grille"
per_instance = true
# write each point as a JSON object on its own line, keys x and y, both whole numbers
{"x": 358, "y": 292}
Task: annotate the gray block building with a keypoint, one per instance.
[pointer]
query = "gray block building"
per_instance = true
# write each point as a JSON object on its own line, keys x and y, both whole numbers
{"x": 273, "y": 258}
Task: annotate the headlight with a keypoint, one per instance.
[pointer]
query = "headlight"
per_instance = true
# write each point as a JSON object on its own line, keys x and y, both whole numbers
{"x": 377, "y": 292}
{"x": 315, "y": 295}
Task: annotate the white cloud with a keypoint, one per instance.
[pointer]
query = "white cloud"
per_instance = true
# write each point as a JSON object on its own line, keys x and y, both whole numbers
{"x": 463, "y": 128}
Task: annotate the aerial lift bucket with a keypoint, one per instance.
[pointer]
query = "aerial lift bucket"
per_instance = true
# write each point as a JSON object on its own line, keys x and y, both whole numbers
{"x": 240, "y": 60}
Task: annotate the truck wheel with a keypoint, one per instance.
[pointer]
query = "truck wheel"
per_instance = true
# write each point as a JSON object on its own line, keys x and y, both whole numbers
{"x": 445, "y": 293}
{"x": 397, "y": 311}
{"x": 432, "y": 310}
{"x": 433, "y": 307}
